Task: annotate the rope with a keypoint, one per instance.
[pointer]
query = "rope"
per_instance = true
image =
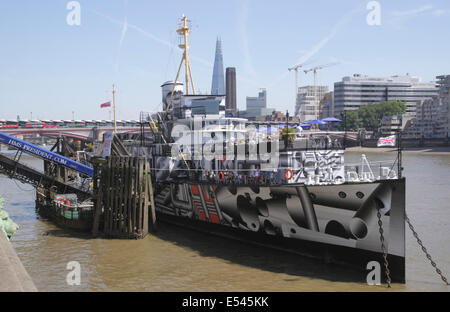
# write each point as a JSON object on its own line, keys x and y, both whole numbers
{"x": 15, "y": 182}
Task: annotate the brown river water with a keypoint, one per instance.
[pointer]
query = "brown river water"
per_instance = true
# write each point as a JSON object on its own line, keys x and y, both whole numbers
{"x": 176, "y": 259}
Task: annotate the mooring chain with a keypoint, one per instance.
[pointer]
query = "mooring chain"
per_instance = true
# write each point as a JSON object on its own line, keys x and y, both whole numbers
{"x": 383, "y": 248}
{"x": 438, "y": 271}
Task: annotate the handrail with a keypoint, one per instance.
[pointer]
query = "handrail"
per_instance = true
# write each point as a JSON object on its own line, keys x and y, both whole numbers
{"x": 40, "y": 152}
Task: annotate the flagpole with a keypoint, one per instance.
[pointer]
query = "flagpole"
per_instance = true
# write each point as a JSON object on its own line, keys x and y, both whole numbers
{"x": 399, "y": 153}
{"x": 114, "y": 107}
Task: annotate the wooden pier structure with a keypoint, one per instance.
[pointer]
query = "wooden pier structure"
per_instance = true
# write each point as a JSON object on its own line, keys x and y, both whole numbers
{"x": 123, "y": 197}
{"x": 114, "y": 198}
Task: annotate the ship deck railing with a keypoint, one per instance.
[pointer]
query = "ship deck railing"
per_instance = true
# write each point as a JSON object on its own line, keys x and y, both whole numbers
{"x": 357, "y": 173}
{"x": 371, "y": 171}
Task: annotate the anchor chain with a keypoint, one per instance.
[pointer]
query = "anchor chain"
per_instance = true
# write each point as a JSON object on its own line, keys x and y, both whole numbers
{"x": 383, "y": 248}
{"x": 438, "y": 271}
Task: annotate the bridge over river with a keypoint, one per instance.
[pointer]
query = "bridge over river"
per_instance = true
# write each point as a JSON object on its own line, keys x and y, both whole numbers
{"x": 84, "y": 134}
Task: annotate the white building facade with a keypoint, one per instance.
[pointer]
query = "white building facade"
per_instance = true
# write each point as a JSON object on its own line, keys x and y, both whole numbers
{"x": 356, "y": 91}
{"x": 308, "y": 99}
{"x": 433, "y": 115}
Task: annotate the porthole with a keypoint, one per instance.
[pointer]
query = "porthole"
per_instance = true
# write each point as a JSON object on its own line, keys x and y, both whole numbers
{"x": 360, "y": 195}
{"x": 342, "y": 194}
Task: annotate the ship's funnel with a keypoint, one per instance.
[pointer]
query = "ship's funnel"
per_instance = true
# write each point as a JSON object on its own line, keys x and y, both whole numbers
{"x": 167, "y": 88}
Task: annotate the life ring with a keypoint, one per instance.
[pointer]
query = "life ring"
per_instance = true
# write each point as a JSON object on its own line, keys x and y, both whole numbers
{"x": 221, "y": 176}
{"x": 290, "y": 172}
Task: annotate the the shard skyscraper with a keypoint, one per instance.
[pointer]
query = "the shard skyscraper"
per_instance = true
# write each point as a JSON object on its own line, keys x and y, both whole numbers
{"x": 218, "y": 84}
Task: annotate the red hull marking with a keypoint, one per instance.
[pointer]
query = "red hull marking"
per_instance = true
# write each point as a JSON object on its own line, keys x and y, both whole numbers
{"x": 212, "y": 214}
{"x": 199, "y": 209}
{"x": 214, "y": 218}
{"x": 208, "y": 199}
{"x": 195, "y": 190}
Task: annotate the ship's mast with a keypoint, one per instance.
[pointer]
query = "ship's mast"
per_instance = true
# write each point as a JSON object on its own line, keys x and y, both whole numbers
{"x": 114, "y": 107}
{"x": 184, "y": 31}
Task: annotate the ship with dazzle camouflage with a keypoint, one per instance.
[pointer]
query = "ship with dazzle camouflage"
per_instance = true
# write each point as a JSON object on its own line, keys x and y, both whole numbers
{"x": 260, "y": 183}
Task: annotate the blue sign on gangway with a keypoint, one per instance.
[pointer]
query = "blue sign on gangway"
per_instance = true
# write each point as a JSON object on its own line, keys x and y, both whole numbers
{"x": 45, "y": 154}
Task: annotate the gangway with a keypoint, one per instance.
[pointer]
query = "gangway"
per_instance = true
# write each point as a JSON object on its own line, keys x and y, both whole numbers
{"x": 16, "y": 170}
{"x": 45, "y": 154}
{"x": 25, "y": 174}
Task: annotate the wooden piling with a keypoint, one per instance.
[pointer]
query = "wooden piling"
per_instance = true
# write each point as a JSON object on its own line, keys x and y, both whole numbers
{"x": 152, "y": 203}
{"x": 98, "y": 196}
{"x": 124, "y": 193}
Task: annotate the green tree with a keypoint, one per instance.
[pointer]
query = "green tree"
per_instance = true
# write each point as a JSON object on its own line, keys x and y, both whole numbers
{"x": 370, "y": 115}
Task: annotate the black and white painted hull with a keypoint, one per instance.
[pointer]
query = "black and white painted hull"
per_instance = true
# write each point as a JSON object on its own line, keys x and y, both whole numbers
{"x": 337, "y": 223}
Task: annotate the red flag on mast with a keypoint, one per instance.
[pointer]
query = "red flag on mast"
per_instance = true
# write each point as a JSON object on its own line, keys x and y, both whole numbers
{"x": 107, "y": 104}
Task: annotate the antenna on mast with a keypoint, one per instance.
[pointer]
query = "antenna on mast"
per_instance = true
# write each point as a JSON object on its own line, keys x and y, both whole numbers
{"x": 296, "y": 68}
{"x": 183, "y": 31}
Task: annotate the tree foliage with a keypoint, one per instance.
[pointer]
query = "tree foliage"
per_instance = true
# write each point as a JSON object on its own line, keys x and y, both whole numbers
{"x": 369, "y": 116}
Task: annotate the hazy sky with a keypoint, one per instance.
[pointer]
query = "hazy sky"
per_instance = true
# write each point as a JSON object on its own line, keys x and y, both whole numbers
{"x": 51, "y": 68}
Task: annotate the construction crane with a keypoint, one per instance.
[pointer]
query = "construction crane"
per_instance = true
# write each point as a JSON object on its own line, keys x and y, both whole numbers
{"x": 315, "y": 69}
{"x": 296, "y": 68}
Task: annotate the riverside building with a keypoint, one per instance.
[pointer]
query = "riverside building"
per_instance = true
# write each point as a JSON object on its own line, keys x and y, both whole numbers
{"x": 358, "y": 90}
{"x": 308, "y": 102}
{"x": 433, "y": 115}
